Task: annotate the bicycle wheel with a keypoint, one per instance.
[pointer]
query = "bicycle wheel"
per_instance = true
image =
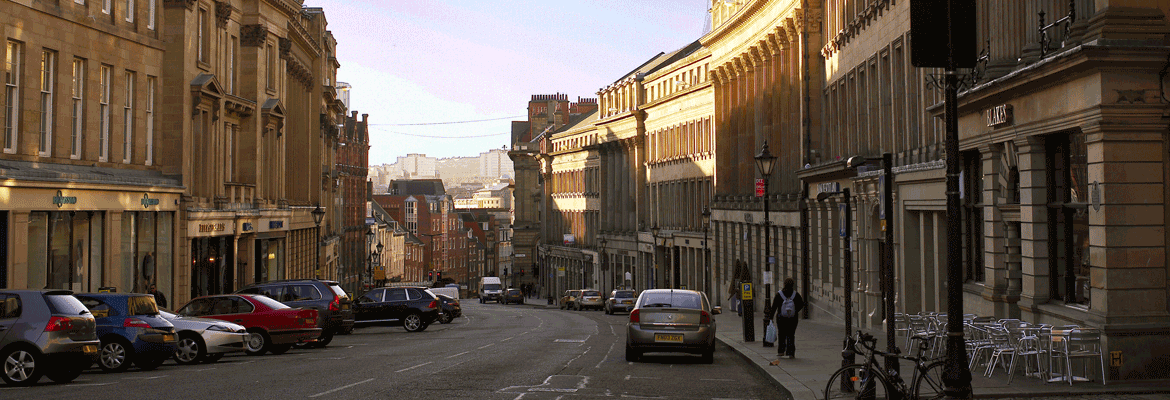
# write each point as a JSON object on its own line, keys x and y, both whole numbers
{"x": 857, "y": 382}
{"x": 929, "y": 384}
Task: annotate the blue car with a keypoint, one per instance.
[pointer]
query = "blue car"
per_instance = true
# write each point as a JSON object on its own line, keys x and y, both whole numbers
{"x": 130, "y": 330}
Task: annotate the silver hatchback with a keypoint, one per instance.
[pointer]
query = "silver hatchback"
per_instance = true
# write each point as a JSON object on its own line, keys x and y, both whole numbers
{"x": 44, "y": 333}
{"x": 671, "y": 320}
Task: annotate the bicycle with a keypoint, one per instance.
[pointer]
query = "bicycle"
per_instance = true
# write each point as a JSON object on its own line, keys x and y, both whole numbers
{"x": 869, "y": 380}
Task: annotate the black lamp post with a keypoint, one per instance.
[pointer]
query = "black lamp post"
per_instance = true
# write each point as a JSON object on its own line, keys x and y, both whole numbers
{"x": 604, "y": 264}
{"x": 706, "y": 268}
{"x": 369, "y": 260}
{"x": 765, "y": 161}
{"x": 847, "y": 355}
{"x": 318, "y": 215}
{"x": 654, "y": 249}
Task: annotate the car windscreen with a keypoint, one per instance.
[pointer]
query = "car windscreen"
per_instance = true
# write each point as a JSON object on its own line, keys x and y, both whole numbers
{"x": 491, "y": 286}
{"x": 269, "y": 302}
{"x": 625, "y": 294}
{"x": 338, "y": 290}
{"x": 141, "y": 305}
{"x": 591, "y": 293}
{"x": 671, "y": 300}
{"x": 65, "y": 304}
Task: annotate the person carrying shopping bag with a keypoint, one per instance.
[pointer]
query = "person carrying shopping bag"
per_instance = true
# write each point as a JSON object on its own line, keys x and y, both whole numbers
{"x": 785, "y": 314}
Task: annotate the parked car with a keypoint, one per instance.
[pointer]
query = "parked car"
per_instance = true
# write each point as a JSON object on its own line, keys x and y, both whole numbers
{"x": 589, "y": 300}
{"x": 512, "y": 295}
{"x": 449, "y": 306}
{"x": 413, "y": 307}
{"x": 272, "y": 326}
{"x": 671, "y": 320}
{"x": 333, "y": 305}
{"x": 205, "y": 339}
{"x": 620, "y": 300}
{"x": 130, "y": 329}
{"x": 44, "y": 333}
{"x": 569, "y": 299}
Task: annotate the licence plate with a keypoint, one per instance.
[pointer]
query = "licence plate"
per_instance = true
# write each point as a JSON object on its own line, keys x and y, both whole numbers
{"x": 89, "y": 349}
{"x": 627, "y": 302}
{"x": 669, "y": 338}
{"x": 167, "y": 337}
{"x": 345, "y": 306}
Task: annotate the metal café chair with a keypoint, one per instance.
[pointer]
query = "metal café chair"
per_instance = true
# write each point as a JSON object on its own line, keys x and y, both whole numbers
{"x": 1054, "y": 340}
{"x": 1084, "y": 344}
{"x": 1027, "y": 348}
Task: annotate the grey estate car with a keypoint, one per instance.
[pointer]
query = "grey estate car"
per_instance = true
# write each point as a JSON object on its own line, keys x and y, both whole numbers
{"x": 671, "y": 320}
{"x": 44, "y": 333}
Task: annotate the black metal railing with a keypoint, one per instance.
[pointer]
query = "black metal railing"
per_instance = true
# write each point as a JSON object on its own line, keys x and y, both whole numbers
{"x": 1067, "y": 21}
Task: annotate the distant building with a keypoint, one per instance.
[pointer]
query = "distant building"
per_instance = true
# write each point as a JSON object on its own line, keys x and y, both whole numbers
{"x": 417, "y": 166}
{"x": 495, "y": 164}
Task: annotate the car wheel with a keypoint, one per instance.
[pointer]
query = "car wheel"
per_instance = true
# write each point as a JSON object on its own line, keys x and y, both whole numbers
{"x": 20, "y": 366}
{"x": 190, "y": 349}
{"x": 709, "y": 355}
{"x": 257, "y": 343}
{"x": 114, "y": 356}
{"x": 446, "y": 318}
{"x": 212, "y": 357}
{"x": 324, "y": 340}
{"x": 149, "y": 363}
{"x": 413, "y": 323}
{"x": 279, "y": 349}
{"x": 481, "y": 300}
{"x": 631, "y": 354}
{"x": 65, "y": 373}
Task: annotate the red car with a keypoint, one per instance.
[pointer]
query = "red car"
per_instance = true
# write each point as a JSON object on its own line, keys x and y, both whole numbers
{"x": 273, "y": 326}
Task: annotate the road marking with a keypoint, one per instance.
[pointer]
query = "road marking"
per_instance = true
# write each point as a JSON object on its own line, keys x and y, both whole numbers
{"x": 325, "y": 358}
{"x": 510, "y": 338}
{"x": 717, "y": 380}
{"x": 143, "y": 378}
{"x": 628, "y": 377}
{"x": 569, "y": 341}
{"x": 579, "y": 356}
{"x": 416, "y": 366}
{"x": 205, "y": 369}
{"x": 603, "y": 359}
{"x": 92, "y": 384}
{"x": 342, "y": 388}
{"x": 486, "y": 346}
{"x": 457, "y": 355}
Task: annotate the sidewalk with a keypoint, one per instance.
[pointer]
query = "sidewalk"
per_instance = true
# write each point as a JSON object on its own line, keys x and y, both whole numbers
{"x": 818, "y": 355}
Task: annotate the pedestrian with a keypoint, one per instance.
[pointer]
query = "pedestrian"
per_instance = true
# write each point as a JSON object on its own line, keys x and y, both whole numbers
{"x": 786, "y": 306}
{"x": 159, "y": 298}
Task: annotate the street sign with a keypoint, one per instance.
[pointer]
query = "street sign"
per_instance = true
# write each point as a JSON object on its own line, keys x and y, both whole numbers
{"x": 746, "y": 291}
{"x": 760, "y": 185}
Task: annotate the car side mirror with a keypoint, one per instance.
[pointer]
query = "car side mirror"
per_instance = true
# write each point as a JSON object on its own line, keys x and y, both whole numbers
{"x": 717, "y": 310}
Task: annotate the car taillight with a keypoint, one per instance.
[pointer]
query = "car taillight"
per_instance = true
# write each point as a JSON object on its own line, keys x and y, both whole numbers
{"x": 434, "y": 304}
{"x": 336, "y": 304}
{"x": 134, "y": 323}
{"x": 704, "y": 318}
{"x": 57, "y": 324}
{"x": 634, "y": 318}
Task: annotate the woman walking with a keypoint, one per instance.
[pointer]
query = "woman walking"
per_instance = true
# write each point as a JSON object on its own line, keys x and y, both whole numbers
{"x": 786, "y": 306}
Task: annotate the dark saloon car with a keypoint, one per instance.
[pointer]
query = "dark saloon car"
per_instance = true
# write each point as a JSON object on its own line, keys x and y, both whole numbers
{"x": 272, "y": 326}
{"x": 512, "y": 295}
{"x": 620, "y": 300}
{"x": 130, "y": 329}
{"x": 44, "y": 333}
{"x": 413, "y": 307}
{"x": 450, "y": 308}
{"x": 333, "y": 305}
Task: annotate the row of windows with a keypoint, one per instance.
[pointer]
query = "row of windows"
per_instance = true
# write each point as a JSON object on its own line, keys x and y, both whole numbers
{"x": 128, "y": 10}
{"x": 688, "y": 139}
{"x": 676, "y": 82}
{"x": 48, "y": 102}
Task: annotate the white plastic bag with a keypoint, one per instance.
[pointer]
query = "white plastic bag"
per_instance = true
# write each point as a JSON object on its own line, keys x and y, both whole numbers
{"x": 770, "y": 333}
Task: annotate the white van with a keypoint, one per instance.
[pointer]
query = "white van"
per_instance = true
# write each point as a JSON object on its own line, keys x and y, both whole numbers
{"x": 490, "y": 289}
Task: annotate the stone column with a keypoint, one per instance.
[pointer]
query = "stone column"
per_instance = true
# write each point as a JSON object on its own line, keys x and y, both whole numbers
{"x": 1034, "y": 262}
{"x": 992, "y": 244}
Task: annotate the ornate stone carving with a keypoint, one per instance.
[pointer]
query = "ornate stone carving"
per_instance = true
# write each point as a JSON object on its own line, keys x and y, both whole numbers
{"x": 285, "y": 48}
{"x": 188, "y": 4}
{"x": 253, "y": 35}
{"x": 223, "y": 11}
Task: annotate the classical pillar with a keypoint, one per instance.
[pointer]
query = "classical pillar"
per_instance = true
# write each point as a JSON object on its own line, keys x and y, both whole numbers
{"x": 1034, "y": 262}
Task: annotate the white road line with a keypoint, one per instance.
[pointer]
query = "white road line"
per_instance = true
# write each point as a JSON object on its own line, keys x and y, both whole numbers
{"x": 510, "y": 338}
{"x": 717, "y": 380}
{"x": 457, "y": 355}
{"x": 628, "y": 377}
{"x": 579, "y": 356}
{"x": 611, "y": 346}
{"x": 92, "y": 384}
{"x": 143, "y": 378}
{"x": 416, "y": 366}
{"x": 486, "y": 346}
{"x": 342, "y": 388}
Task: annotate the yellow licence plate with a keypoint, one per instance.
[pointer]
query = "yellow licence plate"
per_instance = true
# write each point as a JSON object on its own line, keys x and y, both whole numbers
{"x": 168, "y": 337}
{"x": 627, "y": 302}
{"x": 669, "y": 338}
{"x": 89, "y": 349}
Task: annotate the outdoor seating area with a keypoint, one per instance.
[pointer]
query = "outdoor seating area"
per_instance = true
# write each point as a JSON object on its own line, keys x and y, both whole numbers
{"x": 1061, "y": 354}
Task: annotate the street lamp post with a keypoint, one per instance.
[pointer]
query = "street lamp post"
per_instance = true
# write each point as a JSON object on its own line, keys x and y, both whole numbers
{"x": 369, "y": 260}
{"x": 604, "y": 265}
{"x": 318, "y": 214}
{"x": 706, "y": 267}
{"x": 847, "y": 355}
{"x": 654, "y": 249}
{"x": 765, "y": 161}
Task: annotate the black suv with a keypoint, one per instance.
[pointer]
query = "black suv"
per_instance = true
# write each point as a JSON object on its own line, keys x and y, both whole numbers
{"x": 413, "y": 307}
{"x": 333, "y": 305}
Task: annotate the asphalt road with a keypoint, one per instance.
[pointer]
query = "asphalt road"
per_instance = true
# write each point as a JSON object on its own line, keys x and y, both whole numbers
{"x": 493, "y": 352}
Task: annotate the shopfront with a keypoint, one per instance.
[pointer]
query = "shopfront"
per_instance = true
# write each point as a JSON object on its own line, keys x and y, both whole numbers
{"x": 86, "y": 240}
{"x": 213, "y": 256}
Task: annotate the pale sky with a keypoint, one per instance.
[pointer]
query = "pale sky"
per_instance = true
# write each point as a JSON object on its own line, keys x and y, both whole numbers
{"x": 435, "y": 61}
